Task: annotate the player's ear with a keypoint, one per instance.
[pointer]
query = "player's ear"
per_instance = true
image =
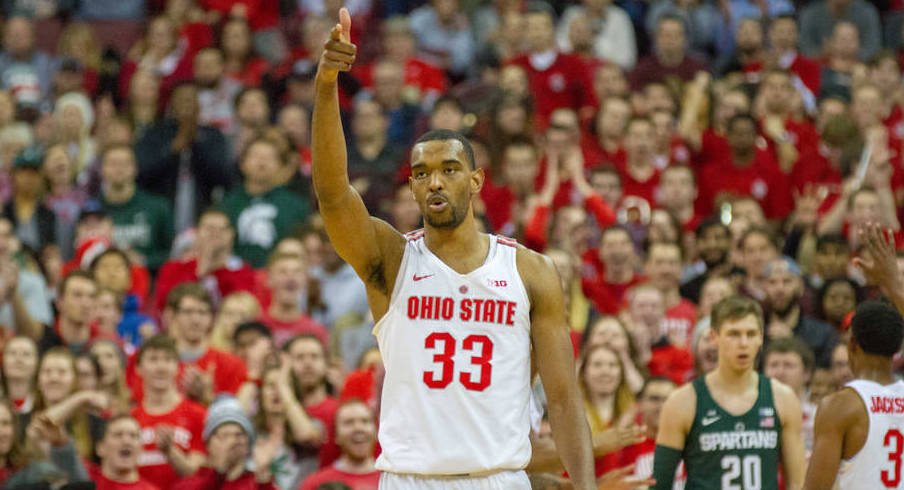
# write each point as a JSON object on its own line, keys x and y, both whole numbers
{"x": 477, "y": 178}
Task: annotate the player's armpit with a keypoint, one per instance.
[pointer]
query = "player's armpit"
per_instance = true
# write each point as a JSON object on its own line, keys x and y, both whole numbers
{"x": 828, "y": 442}
{"x": 793, "y": 451}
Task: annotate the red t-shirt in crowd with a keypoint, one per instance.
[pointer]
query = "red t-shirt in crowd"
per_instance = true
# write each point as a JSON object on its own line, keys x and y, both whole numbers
{"x": 641, "y": 456}
{"x": 283, "y": 331}
{"x": 646, "y": 189}
{"x": 567, "y": 82}
{"x": 229, "y": 373}
{"x": 188, "y": 421}
{"x": 813, "y": 168}
{"x": 101, "y": 482}
{"x": 357, "y": 481}
{"x": 679, "y": 323}
{"x": 714, "y": 149}
{"x": 208, "y": 479}
{"x": 235, "y": 276}
{"x": 325, "y": 412}
{"x": 418, "y": 73}
{"x": 673, "y": 362}
{"x": 761, "y": 179}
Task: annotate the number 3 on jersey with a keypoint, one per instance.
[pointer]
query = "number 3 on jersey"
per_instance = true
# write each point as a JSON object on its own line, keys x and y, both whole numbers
{"x": 481, "y": 345}
{"x": 893, "y": 440}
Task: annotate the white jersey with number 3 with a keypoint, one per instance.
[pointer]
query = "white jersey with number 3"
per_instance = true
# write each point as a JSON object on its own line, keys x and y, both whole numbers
{"x": 879, "y": 464}
{"x": 456, "y": 347}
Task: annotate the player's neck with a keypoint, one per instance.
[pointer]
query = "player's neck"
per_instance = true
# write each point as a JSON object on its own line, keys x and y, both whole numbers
{"x": 456, "y": 245}
{"x": 732, "y": 380}
{"x": 874, "y": 368}
{"x": 350, "y": 464}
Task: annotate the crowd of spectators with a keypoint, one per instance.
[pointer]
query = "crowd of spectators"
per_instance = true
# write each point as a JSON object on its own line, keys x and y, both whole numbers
{"x": 174, "y": 316}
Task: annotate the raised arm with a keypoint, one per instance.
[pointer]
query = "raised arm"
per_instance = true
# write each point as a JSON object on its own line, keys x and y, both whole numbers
{"x": 880, "y": 263}
{"x": 360, "y": 240}
{"x": 549, "y": 337}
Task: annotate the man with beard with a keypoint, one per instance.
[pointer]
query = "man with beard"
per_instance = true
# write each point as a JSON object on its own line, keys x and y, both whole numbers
{"x": 784, "y": 288}
{"x": 356, "y": 434}
{"x": 713, "y": 245}
{"x": 448, "y": 288}
{"x": 750, "y": 50}
{"x": 663, "y": 267}
{"x": 118, "y": 450}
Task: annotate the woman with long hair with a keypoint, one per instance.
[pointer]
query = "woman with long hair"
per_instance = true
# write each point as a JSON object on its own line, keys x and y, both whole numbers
{"x": 609, "y": 331}
{"x": 281, "y": 418}
{"x": 13, "y": 454}
{"x": 59, "y": 399}
{"x": 143, "y": 102}
{"x": 239, "y": 59}
{"x": 63, "y": 196}
{"x": 112, "y": 379}
{"x": 20, "y": 368}
{"x": 77, "y": 41}
{"x": 73, "y": 123}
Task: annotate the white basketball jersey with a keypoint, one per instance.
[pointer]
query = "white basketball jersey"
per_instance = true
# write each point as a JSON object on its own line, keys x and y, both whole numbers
{"x": 879, "y": 464}
{"x": 456, "y": 397}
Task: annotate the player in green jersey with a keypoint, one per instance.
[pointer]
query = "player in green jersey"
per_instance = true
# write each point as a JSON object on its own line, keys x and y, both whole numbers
{"x": 732, "y": 427}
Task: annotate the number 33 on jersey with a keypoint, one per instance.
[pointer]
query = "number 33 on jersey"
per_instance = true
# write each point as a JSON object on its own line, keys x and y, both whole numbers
{"x": 457, "y": 395}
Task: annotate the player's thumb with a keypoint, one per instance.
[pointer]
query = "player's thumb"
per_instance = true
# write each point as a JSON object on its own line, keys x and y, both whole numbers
{"x": 345, "y": 20}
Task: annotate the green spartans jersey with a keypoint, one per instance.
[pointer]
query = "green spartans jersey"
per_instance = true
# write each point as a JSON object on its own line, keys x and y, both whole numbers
{"x": 733, "y": 453}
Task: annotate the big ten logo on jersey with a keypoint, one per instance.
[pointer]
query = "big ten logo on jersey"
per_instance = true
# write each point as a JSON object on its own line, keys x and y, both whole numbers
{"x": 473, "y": 310}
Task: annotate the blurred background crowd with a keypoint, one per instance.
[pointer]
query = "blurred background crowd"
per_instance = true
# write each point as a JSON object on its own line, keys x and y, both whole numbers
{"x": 160, "y": 247}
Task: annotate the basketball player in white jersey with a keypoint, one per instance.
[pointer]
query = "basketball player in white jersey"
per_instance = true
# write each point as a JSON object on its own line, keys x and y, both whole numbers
{"x": 859, "y": 430}
{"x": 460, "y": 313}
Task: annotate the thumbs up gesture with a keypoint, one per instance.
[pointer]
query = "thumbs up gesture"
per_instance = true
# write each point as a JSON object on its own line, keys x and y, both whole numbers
{"x": 338, "y": 52}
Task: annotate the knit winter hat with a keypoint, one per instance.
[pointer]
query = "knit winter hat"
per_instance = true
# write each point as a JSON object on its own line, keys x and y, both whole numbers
{"x": 227, "y": 409}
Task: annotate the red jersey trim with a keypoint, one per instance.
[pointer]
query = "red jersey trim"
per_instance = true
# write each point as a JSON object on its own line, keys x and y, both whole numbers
{"x": 414, "y": 235}
{"x": 504, "y": 240}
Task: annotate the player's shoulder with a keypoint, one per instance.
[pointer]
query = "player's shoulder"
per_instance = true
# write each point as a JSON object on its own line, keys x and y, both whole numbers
{"x": 529, "y": 261}
{"x": 682, "y": 400}
{"x": 843, "y": 403}
{"x": 781, "y": 391}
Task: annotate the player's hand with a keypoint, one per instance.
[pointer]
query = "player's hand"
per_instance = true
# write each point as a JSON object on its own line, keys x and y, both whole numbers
{"x": 621, "y": 479}
{"x": 879, "y": 263}
{"x": 338, "y": 52}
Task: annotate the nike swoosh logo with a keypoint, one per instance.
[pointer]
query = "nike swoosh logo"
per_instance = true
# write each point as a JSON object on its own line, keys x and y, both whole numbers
{"x": 709, "y": 420}
{"x": 418, "y": 278}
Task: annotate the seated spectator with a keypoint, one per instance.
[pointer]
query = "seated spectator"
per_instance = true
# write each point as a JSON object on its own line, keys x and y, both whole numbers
{"x": 216, "y": 94}
{"x": 443, "y": 36}
{"x": 229, "y": 438}
{"x": 25, "y": 304}
{"x": 212, "y": 265}
{"x": 646, "y": 312}
{"x": 112, "y": 379}
{"x": 613, "y": 34}
{"x": 610, "y": 332}
{"x": 819, "y": 19}
{"x": 20, "y": 369}
{"x": 25, "y": 71}
{"x": 142, "y": 222}
{"x": 261, "y": 211}
{"x": 239, "y": 60}
{"x": 118, "y": 450}
{"x": 287, "y": 279}
{"x": 750, "y": 171}
{"x": 652, "y": 396}
{"x": 783, "y": 288}
{"x": 556, "y": 79}
{"x": 790, "y": 361}
{"x": 837, "y": 298}
{"x": 607, "y": 398}
{"x": 282, "y": 422}
{"x": 183, "y": 158}
{"x": 112, "y": 272}
{"x": 670, "y": 62}
{"x": 63, "y": 196}
{"x": 35, "y": 224}
{"x": 235, "y": 309}
{"x": 356, "y": 435}
{"x": 174, "y": 445}
{"x": 308, "y": 359}
{"x": 373, "y": 161}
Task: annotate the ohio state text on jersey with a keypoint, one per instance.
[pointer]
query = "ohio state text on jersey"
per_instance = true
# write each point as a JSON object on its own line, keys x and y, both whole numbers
{"x": 457, "y": 354}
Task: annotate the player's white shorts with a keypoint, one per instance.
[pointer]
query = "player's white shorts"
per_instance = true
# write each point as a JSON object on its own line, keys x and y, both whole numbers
{"x": 505, "y": 480}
